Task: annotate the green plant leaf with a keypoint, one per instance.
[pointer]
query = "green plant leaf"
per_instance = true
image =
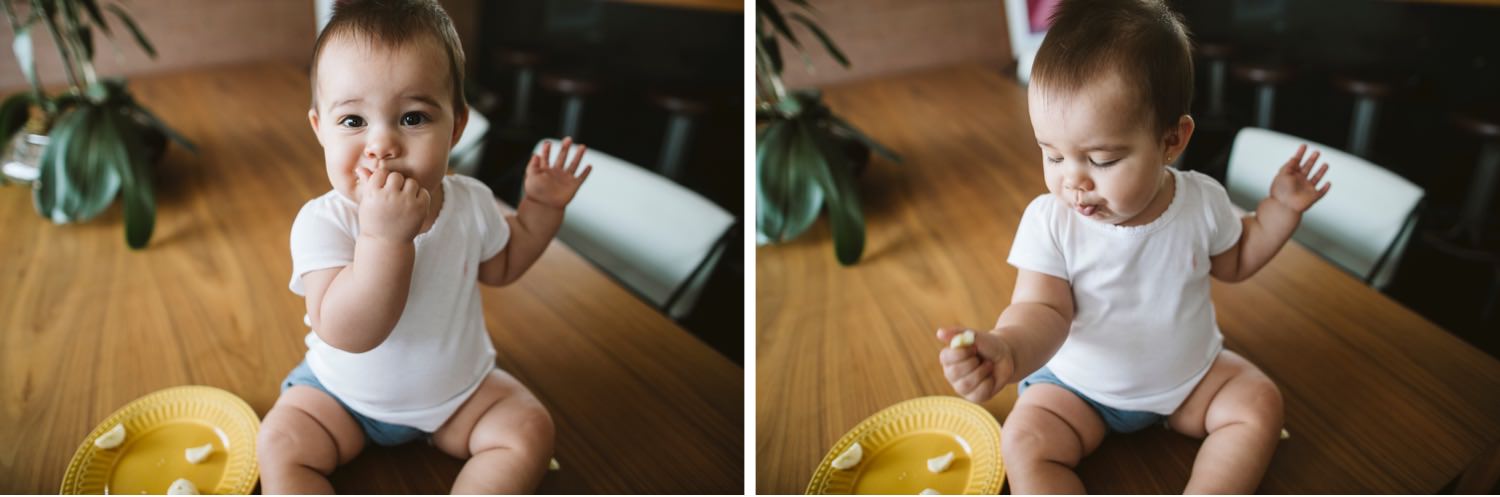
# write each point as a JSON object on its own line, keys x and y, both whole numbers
{"x": 92, "y": 7}
{"x": 823, "y": 37}
{"x": 134, "y": 30}
{"x": 139, "y": 198}
{"x": 773, "y": 52}
{"x": 788, "y": 199}
{"x": 863, "y": 138}
{"x": 769, "y": 11}
{"x": 157, "y": 123}
{"x": 13, "y": 114}
{"x": 24, "y": 56}
{"x": 55, "y": 195}
{"x": 92, "y": 169}
{"x": 836, "y": 177}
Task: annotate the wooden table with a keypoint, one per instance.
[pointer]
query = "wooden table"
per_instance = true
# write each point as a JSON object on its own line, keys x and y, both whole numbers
{"x": 1378, "y": 399}
{"x": 86, "y": 325}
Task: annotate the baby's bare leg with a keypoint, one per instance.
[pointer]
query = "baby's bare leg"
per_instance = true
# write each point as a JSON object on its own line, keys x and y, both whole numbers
{"x": 305, "y": 436}
{"x": 506, "y": 435}
{"x": 1045, "y": 436}
{"x": 1239, "y": 410}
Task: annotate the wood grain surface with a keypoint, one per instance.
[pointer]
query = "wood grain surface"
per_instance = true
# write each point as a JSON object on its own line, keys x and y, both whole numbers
{"x": 1378, "y": 399}
{"x": 86, "y": 325}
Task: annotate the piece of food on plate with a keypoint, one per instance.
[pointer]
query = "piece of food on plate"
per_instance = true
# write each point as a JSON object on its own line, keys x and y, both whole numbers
{"x": 850, "y": 458}
{"x": 112, "y": 438}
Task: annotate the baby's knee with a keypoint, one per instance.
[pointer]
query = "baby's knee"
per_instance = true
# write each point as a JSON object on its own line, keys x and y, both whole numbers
{"x": 1021, "y": 441}
{"x": 537, "y": 429}
{"x": 1263, "y": 403}
{"x": 277, "y": 443}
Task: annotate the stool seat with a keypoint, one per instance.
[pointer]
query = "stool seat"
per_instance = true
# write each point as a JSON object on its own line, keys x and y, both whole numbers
{"x": 1364, "y": 85}
{"x": 1215, "y": 49}
{"x": 570, "y": 84}
{"x": 518, "y": 56}
{"x": 679, "y": 103}
{"x": 1483, "y": 123}
{"x": 1263, "y": 72}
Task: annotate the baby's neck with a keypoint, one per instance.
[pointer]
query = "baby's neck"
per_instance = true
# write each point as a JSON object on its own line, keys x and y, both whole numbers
{"x": 1165, "y": 190}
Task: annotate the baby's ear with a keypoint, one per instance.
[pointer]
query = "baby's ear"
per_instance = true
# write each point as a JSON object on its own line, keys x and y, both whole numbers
{"x": 1176, "y": 139}
{"x": 312, "y": 119}
{"x": 460, "y": 121}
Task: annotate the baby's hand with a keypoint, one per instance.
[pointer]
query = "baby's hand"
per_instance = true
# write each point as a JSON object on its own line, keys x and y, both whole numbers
{"x": 977, "y": 371}
{"x": 1294, "y": 188}
{"x": 391, "y": 206}
{"x": 555, "y": 185}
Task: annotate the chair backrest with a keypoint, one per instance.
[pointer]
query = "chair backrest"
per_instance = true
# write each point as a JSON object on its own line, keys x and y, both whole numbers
{"x": 1364, "y": 222}
{"x": 1026, "y": 21}
{"x": 648, "y": 232}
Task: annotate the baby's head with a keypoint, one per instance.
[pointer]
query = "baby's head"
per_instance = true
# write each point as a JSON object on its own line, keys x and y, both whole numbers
{"x": 1108, "y": 98}
{"x": 387, "y": 92}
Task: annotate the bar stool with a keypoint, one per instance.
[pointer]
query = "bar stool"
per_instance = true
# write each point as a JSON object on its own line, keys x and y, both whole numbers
{"x": 1484, "y": 124}
{"x": 1368, "y": 90}
{"x": 1265, "y": 75}
{"x": 1217, "y": 54}
{"x": 574, "y": 87}
{"x": 683, "y": 109}
{"x": 525, "y": 62}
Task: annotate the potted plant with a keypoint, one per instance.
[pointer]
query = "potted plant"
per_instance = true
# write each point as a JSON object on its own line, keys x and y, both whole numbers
{"x": 99, "y": 142}
{"x": 802, "y": 158}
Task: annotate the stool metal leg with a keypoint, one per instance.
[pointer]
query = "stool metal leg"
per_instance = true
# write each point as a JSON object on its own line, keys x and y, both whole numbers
{"x": 523, "y": 98}
{"x": 1480, "y": 192}
{"x": 1216, "y": 87}
{"x": 679, "y": 131}
{"x": 1365, "y": 111}
{"x": 572, "y": 114}
{"x": 1265, "y": 100}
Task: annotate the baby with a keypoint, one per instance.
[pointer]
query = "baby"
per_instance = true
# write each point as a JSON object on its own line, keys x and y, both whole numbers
{"x": 388, "y": 262}
{"x": 1110, "y": 327}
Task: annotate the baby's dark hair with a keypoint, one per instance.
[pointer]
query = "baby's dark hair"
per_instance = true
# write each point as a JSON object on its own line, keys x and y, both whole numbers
{"x": 1143, "y": 41}
{"x": 394, "y": 23}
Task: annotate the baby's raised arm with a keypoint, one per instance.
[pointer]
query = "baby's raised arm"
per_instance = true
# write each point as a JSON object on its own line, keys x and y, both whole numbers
{"x": 1028, "y": 333}
{"x": 1274, "y": 220}
{"x": 549, "y": 189}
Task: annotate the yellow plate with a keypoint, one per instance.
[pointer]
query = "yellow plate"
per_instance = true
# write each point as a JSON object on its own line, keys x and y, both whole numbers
{"x": 898, "y": 441}
{"x": 159, "y": 427}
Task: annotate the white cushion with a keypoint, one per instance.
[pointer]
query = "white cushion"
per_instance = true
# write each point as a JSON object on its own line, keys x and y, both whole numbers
{"x": 647, "y": 231}
{"x": 464, "y": 157}
{"x": 1364, "y": 213}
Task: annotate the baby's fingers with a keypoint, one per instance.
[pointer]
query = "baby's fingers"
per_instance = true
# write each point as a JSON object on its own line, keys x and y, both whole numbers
{"x": 981, "y": 392}
{"x": 1292, "y": 163}
{"x": 1311, "y": 160}
{"x": 1319, "y": 175}
{"x": 970, "y": 381}
{"x": 956, "y": 370}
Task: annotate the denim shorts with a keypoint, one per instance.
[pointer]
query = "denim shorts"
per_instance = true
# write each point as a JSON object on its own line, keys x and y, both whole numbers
{"x": 381, "y": 433}
{"x": 1117, "y": 420}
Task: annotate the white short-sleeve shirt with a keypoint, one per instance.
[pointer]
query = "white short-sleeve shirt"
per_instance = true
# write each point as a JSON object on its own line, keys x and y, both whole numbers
{"x": 439, "y": 351}
{"x": 1143, "y": 332}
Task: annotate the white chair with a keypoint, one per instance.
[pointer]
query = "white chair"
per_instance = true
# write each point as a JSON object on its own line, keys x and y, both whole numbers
{"x": 1024, "y": 42}
{"x": 464, "y": 157}
{"x": 656, "y": 237}
{"x": 1364, "y": 222}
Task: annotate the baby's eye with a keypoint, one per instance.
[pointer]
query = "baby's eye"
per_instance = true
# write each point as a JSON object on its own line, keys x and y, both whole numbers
{"x": 352, "y": 122}
{"x": 414, "y": 119}
{"x": 1103, "y": 164}
{"x": 1055, "y": 160}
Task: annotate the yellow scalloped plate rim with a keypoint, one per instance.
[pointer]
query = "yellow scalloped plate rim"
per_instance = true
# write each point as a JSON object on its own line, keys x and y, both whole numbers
{"x": 898, "y": 441}
{"x": 159, "y": 427}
